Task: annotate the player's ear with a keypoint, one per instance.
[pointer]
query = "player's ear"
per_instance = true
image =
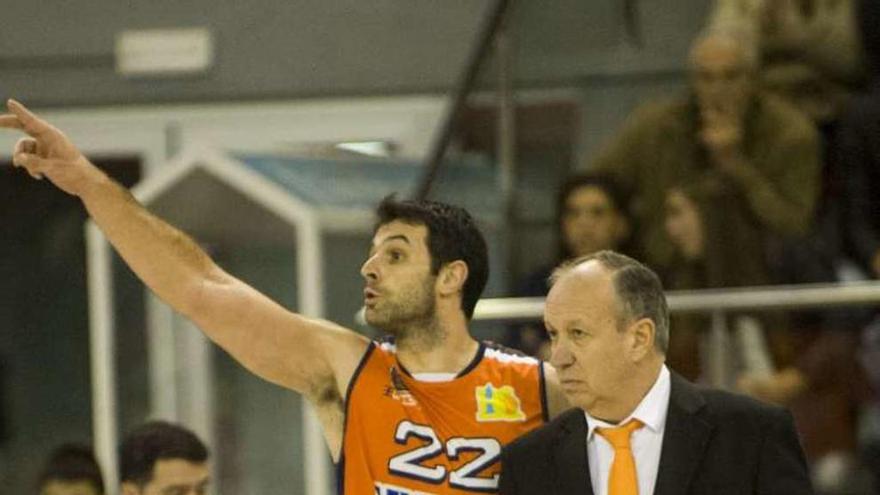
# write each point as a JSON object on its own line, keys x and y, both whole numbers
{"x": 452, "y": 277}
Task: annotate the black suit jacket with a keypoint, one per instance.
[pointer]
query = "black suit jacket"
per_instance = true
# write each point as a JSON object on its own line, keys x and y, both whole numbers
{"x": 714, "y": 443}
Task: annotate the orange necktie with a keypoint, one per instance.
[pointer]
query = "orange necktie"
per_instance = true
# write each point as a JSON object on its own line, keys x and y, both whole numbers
{"x": 622, "y": 479}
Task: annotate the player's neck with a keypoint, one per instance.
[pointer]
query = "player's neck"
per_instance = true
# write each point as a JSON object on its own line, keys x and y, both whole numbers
{"x": 450, "y": 353}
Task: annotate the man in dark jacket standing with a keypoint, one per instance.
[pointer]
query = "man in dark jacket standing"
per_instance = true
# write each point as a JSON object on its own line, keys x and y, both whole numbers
{"x": 637, "y": 428}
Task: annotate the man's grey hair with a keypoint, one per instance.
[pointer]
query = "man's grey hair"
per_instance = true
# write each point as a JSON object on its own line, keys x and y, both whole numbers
{"x": 638, "y": 289}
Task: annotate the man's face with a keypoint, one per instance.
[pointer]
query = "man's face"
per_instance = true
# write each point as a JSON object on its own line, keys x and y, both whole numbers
{"x": 590, "y": 222}
{"x": 173, "y": 477}
{"x": 399, "y": 286}
{"x": 77, "y": 487}
{"x": 587, "y": 349}
{"x": 721, "y": 78}
{"x": 683, "y": 225}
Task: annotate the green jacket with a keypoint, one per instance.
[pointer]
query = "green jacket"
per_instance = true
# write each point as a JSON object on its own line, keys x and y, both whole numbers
{"x": 659, "y": 148}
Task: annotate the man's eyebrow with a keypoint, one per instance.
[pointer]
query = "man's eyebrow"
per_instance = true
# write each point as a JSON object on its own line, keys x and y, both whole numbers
{"x": 183, "y": 486}
{"x": 397, "y": 237}
{"x": 400, "y": 237}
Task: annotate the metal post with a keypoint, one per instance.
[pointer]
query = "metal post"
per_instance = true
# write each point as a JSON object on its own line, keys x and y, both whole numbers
{"x": 161, "y": 352}
{"x": 506, "y": 139}
{"x": 487, "y": 32}
{"x": 718, "y": 361}
{"x": 197, "y": 387}
{"x": 506, "y": 119}
{"x": 103, "y": 355}
{"x": 311, "y": 303}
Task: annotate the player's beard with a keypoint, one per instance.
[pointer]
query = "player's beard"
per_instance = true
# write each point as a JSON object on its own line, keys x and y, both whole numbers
{"x": 409, "y": 314}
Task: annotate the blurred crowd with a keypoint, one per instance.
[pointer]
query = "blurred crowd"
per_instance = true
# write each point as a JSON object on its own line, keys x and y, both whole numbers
{"x": 766, "y": 171}
{"x": 155, "y": 458}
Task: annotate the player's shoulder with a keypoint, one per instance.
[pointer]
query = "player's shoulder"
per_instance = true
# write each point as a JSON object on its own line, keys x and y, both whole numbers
{"x": 503, "y": 355}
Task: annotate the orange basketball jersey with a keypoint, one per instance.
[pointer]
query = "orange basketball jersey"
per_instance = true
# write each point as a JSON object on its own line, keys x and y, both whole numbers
{"x": 408, "y": 437}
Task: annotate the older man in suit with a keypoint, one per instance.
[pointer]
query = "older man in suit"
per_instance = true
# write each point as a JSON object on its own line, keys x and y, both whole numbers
{"x": 638, "y": 428}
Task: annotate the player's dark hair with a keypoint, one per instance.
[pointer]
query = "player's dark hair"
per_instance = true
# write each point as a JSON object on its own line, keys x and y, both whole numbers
{"x": 71, "y": 463}
{"x": 155, "y": 441}
{"x": 452, "y": 235}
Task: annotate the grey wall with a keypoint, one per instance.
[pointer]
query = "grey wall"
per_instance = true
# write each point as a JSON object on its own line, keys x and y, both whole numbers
{"x": 264, "y": 49}
{"x": 284, "y": 49}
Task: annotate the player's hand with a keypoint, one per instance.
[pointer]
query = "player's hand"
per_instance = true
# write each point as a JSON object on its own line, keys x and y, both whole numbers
{"x": 47, "y": 152}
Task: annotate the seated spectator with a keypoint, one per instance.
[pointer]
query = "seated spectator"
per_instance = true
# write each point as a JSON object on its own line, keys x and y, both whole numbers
{"x": 860, "y": 161}
{"x": 810, "y": 51}
{"x": 759, "y": 347}
{"x": 71, "y": 470}
{"x": 590, "y": 216}
{"x": 752, "y": 157}
{"x": 860, "y": 156}
{"x": 869, "y": 356}
{"x": 812, "y": 57}
{"x": 162, "y": 458}
{"x": 813, "y": 374}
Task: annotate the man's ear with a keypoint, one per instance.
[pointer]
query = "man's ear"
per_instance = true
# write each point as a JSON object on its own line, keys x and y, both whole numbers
{"x": 452, "y": 277}
{"x": 129, "y": 488}
{"x": 643, "y": 333}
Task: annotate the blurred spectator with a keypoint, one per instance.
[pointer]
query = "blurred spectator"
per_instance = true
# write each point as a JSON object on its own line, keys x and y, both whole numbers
{"x": 869, "y": 354}
{"x": 811, "y": 56}
{"x": 810, "y": 50}
{"x": 860, "y": 155}
{"x": 71, "y": 470}
{"x": 814, "y": 374}
{"x": 162, "y": 458}
{"x": 860, "y": 161}
{"x": 752, "y": 157}
{"x": 590, "y": 216}
{"x": 755, "y": 360}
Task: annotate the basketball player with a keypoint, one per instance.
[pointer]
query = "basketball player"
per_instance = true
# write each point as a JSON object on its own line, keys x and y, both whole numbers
{"x": 426, "y": 412}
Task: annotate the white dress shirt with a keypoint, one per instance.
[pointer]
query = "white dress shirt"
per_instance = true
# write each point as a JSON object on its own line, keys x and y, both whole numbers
{"x": 646, "y": 442}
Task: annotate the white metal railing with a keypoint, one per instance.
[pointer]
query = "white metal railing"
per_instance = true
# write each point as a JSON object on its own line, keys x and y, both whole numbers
{"x": 711, "y": 300}
{"x": 744, "y": 332}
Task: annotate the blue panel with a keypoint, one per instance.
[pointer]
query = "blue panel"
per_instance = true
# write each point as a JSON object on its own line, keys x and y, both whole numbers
{"x": 361, "y": 184}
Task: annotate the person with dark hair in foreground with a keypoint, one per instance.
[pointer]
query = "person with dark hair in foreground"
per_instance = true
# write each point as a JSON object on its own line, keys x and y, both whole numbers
{"x": 71, "y": 470}
{"x": 160, "y": 458}
{"x": 637, "y": 428}
{"x": 426, "y": 412}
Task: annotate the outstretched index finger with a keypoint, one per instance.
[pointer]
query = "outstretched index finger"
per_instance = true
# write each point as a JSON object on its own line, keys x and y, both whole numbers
{"x": 31, "y": 124}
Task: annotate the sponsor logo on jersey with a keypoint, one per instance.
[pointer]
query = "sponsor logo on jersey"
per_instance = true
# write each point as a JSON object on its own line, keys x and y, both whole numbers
{"x": 498, "y": 404}
{"x": 383, "y": 489}
{"x": 397, "y": 390}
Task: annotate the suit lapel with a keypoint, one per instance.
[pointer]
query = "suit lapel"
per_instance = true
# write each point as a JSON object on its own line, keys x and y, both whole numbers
{"x": 685, "y": 439}
{"x": 570, "y": 456}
